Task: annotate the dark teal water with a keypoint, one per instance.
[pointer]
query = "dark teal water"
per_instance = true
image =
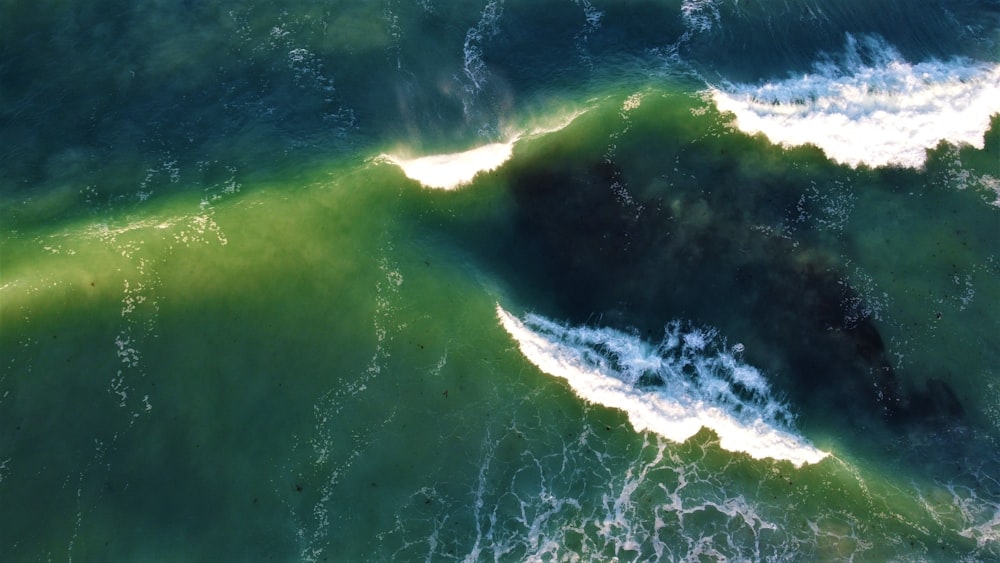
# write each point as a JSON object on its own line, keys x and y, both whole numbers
{"x": 724, "y": 288}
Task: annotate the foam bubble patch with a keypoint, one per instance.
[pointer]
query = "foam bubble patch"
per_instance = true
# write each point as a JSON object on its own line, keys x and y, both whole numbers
{"x": 675, "y": 388}
{"x": 870, "y": 106}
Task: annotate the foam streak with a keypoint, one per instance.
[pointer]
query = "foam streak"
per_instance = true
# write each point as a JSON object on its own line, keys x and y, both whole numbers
{"x": 673, "y": 389}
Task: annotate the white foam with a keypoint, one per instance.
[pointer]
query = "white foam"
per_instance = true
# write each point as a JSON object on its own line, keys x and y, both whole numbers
{"x": 453, "y": 170}
{"x": 700, "y": 15}
{"x": 871, "y": 106}
{"x": 673, "y": 389}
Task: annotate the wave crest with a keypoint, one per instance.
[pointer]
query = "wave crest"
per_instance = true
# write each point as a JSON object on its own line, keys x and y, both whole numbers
{"x": 870, "y": 106}
{"x": 675, "y": 388}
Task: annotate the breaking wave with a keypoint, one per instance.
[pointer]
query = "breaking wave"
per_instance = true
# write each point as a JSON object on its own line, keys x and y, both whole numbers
{"x": 675, "y": 388}
{"x": 870, "y": 106}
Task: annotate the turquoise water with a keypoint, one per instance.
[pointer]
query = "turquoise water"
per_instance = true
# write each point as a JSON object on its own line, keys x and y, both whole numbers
{"x": 725, "y": 286}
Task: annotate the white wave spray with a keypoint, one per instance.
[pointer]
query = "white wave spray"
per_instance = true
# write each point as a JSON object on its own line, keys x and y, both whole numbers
{"x": 452, "y": 170}
{"x": 675, "y": 388}
{"x": 449, "y": 171}
{"x": 870, "y": 106}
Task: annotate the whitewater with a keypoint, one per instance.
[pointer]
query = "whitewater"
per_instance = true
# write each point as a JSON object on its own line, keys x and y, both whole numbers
{"x": 870, "y": 106}
{"x": 689, "y": 384}
{"x": 580, "y": 280}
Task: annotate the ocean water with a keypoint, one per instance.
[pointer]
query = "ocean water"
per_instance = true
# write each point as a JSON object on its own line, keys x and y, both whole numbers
{"x": 500, "y": 280}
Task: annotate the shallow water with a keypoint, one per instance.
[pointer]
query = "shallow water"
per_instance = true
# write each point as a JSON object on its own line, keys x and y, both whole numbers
{"x": 238, "y": 322}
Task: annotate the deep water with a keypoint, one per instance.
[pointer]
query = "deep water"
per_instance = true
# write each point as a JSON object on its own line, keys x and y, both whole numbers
{"x": 679, "y": 315}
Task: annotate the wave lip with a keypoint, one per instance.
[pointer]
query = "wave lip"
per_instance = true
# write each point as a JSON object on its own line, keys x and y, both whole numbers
{"x": 453, "y": 170}
{"x": 673, "y": 389}
{"x": 871, "y": 106}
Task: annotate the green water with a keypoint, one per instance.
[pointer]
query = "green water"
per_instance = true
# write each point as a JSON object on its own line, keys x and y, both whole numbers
{"x": 314, "y": 370}
{"x": 229, "y": 332}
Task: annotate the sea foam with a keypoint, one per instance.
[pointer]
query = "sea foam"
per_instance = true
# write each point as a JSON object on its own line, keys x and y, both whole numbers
{"x": 452, "y": 170}
{"x": 870, "y": 106}
{"x": 675, "y": 388}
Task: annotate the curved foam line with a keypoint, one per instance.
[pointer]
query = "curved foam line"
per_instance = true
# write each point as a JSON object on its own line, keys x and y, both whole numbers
{"x": 872, "y": 107}
{"x": 602, "y": 366}
{"x": 453, "y": 170}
